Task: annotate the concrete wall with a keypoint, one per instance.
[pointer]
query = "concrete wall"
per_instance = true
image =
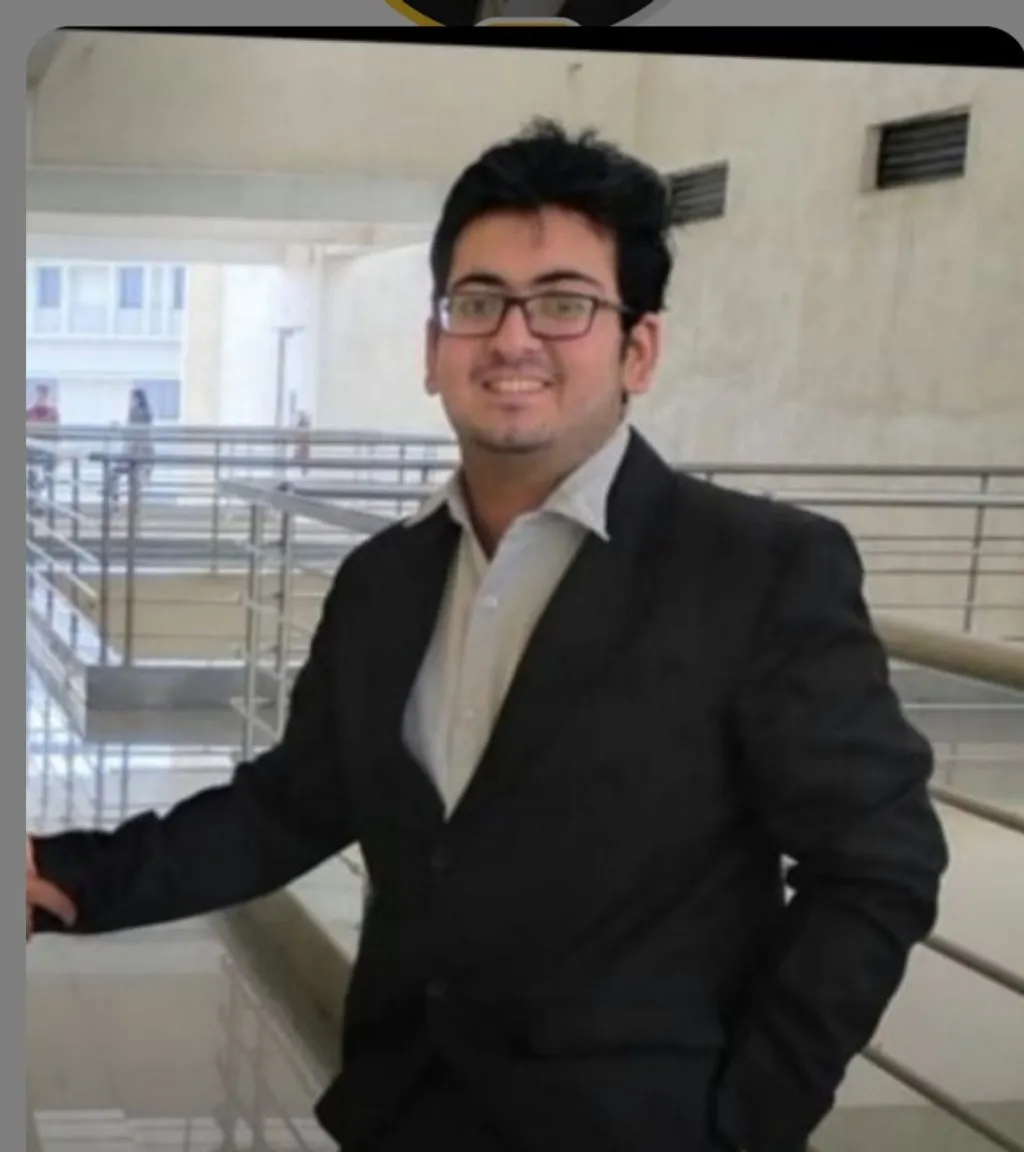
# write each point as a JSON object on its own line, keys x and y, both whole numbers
{"x": 210, "y": 104}
{"x": 820, "y": 321}
{"x": 201, "y": 360}
{"x": 248, "y": 351}
{"x": 376, "y": 308}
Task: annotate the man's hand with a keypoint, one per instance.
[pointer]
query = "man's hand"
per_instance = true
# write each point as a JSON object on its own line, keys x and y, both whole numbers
{"x": 41, "y": 893}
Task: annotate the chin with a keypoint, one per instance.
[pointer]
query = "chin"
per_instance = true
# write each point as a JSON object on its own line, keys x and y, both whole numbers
{"x": 511, "y": 441}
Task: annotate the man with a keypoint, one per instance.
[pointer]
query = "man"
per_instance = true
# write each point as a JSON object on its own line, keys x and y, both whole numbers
{"x": 576, "y": 713}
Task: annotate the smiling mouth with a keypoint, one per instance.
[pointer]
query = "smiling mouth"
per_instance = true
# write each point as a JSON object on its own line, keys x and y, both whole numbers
{"x": 517, "y": 386}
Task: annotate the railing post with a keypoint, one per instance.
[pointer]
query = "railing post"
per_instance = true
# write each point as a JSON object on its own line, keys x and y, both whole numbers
{"x": 131, "y": 532}
{"x": 30, "y": 527}
{"x": 104, "y": 604}
{"x": 215, "y": 512}
{"x": 51, "y": 528}
{"x": 284, "y": 618}
{"x": 76, "y": 533}
{"x": 230, "y": 1113}
{"x": 975, "y": 561}
{"x": 252, "y": 628}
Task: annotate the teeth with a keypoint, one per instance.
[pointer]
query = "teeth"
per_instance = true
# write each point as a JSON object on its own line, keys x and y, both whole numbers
{"x": 516, "y": 387}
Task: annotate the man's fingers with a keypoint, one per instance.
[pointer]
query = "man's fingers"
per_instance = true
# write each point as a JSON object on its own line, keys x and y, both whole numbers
{"x": 43, "y": 894}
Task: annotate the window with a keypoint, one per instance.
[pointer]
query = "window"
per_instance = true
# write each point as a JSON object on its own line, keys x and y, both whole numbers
{"x": 129, "y": 288}
{"x": 89, "y": 299}
{"x": 48, "y": 285}
{"x": 178, "y": 294}
{"x": 697, "y": 194}
{"x": 922, "y": 150}
{"x": 164, "y": 397}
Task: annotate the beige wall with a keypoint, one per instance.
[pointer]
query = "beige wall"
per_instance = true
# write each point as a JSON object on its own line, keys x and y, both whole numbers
{"x": 210, "y": 104}
{"x": 202, "y": 345}
{"x": 818, "y": 321}
{"x": 372, "y": 370}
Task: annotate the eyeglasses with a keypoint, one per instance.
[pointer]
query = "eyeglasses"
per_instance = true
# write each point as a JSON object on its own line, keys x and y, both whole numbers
{"x": 549, "y": 315}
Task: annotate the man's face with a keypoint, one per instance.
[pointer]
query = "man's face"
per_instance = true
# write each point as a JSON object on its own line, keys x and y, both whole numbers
{"x": 514, "y": 390}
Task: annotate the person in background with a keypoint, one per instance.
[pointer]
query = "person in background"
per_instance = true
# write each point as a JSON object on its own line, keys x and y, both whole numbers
{"x": 137, "y": 448}
{"x": 39, "y": 463}
{"x": 42, "y": 410}
{"x": 303, "y": 443}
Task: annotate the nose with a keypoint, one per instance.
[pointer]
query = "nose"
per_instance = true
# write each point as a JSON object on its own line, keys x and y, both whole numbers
{"x": 514, "y": 332}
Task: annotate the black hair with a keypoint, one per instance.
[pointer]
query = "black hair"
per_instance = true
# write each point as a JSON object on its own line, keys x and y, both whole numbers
{"x": 544, "y": 166}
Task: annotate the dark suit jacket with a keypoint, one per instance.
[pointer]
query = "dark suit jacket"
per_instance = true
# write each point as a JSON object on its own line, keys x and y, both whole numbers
{"x": 594, "y": 951}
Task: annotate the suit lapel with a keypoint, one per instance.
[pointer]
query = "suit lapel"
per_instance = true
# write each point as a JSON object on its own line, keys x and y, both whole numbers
{"x": 413, "y": 586}
{"x": 592, "y": 613}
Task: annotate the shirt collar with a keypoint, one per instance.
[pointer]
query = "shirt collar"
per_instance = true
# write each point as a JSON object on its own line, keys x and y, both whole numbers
{"x": 582, "y": 497}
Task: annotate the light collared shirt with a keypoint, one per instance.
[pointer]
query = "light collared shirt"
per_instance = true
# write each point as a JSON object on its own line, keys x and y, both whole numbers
{"x": 488, "y": 613}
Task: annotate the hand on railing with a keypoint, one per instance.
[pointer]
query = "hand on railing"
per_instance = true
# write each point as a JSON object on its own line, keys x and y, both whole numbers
{"x": 40, "y": 893}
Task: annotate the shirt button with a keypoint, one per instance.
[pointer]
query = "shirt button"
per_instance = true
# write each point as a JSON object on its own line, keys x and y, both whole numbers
{"x": 490, "y": 602}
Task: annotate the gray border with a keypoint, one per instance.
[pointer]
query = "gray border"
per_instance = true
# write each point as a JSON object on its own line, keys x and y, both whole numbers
{"x": 26, "y": 24}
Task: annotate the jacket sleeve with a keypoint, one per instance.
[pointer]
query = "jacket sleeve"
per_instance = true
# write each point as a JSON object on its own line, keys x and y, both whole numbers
{"x": 838, "y": 779}
{"x": 280, "y": 815}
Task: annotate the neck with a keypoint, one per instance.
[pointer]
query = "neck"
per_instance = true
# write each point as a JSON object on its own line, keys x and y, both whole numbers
{"x": 499, "y": 487}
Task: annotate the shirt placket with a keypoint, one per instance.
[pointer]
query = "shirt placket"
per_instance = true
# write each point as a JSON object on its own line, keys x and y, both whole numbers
{"x": 476, "y": 682}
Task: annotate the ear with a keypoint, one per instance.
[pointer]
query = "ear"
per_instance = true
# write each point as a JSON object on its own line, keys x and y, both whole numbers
{"x": 640, "y": 355}
{"x": 431, "y": 337}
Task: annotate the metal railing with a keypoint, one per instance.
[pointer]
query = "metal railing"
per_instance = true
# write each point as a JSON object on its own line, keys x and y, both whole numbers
{"x": 944, "y": 546}
{"x": 104, "y": 528}
{"x": 276, "y": 640}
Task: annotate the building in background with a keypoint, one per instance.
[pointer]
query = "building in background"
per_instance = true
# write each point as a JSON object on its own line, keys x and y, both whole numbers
{"x": 94, "y": 331}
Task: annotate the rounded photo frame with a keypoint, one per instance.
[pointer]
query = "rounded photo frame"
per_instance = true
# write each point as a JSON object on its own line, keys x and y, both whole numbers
{"x": 548, "y": 13}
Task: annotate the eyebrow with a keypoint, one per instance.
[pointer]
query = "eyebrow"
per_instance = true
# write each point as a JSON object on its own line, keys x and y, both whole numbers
{"x": 555, "y": 276}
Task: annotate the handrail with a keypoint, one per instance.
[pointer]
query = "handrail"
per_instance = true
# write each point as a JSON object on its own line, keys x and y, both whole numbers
{"x": 298, "y": 504}
{"x": 902, "y": 499}
{"x": 54, "y": 451}
{"x": 255, "y": 434}
{"x": 876, "y": 499}
{"x": 864, "y": 470}
{"x": 264, "y": 434}
{"x": 942, "y": 1100}
{"x": 1009, "y": 821}
{"x": 323, "y": 463}
{"x": 988, "y": 660}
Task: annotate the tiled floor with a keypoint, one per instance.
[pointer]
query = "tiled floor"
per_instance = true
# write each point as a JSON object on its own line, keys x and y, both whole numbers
{"x": 160, "y": 1039}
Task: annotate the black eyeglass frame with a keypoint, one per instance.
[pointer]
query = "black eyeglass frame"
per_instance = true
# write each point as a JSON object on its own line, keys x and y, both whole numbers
{"x": 510, "y": 301}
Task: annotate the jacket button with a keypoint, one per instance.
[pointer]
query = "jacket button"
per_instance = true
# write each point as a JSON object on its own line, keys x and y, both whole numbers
{"x": 441, "y": 861}
{"x": 437, "y": 989}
